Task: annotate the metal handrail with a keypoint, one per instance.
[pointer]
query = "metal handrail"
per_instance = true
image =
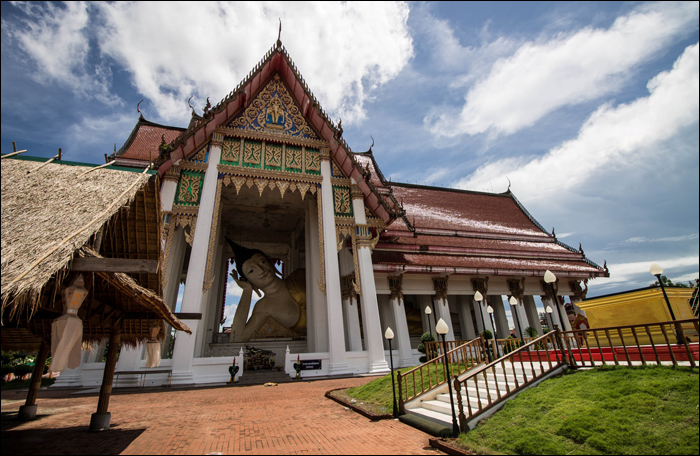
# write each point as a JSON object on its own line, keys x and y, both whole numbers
{"x": 635, "y": 342}
{"x": 551, "y": 339}
{"x": 463, "y": 358}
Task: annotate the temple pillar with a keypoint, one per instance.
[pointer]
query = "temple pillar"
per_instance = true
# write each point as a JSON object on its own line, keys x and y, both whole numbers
{"x": 465, "y": 317}
{"x": 481, "y": 307}
{"x": 499, "y": 316}
{"x": 373, "y": 333}
{"x": 428, "y": 320}
{"x": 441, "y": 307}
{"x": 533, "y": 316}
{"x": 553, "y": 318}
{"x": 353, "y": 335}
{"x": 398, "y": 310}
{"x": 194, "y": 298}
{"x": 212, "y": 298}
{"x": 129, "y": 360}
{"x": 519, "y": 318}
{"x": 336, "y": 332}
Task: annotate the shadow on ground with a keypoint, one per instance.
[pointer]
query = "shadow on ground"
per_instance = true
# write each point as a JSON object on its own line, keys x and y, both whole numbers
{"x": 70, "y": 440}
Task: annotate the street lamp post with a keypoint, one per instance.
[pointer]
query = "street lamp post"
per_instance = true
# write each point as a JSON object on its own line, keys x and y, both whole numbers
{"x": 514, "y": 306}
{"x": 389, "y": 334}
{"x": 551, "y": 319}
{"x": 428, "y": 312}
{"x": 441, "y": 328}
{"x": 550, "y": 279}
{"x": 657, "y": 270}
{"x": 489, "y": 309}
{"x": 478, "y": 297}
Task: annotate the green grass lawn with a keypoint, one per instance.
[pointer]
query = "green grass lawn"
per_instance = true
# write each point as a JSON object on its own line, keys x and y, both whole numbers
{"x": 652, "y": 410}
{"x": 378, "y": 392}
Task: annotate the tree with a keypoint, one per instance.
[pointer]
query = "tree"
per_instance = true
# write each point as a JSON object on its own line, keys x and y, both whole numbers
{"x": 668, "y": 283}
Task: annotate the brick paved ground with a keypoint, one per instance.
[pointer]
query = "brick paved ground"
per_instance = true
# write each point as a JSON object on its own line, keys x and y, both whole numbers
{"x": 291, "y": 418}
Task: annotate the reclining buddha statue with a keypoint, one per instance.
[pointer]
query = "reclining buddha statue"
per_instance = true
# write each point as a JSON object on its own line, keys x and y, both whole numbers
{"x": 283, "y": 299}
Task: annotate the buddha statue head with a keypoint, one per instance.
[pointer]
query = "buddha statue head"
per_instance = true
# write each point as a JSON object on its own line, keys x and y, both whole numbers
{"x": 254, "y": 266}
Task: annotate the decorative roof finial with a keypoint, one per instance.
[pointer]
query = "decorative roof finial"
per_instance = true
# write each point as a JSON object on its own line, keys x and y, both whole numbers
{"x": 190, "y": 105}
{"x": 370, "y": 147}
{"x": 279, "y": 35}
{"x": 340, "y": 129}
{"x": 207, "y": 107}
{"x": 580, "y": 249}
{"x": 553, "y": 235}
{"x": 605, "y": 266}
{"x": 508, "y": 189}
{"x": 139, "y": 110}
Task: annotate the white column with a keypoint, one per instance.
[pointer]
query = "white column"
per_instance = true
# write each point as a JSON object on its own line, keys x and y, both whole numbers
{"x": 386, "y": 317}
{"x": 564, "y": 316}
{"x": 428, "y": 322}
{"x": 319, "y": 312}
{"x": 402, "y": 338}
{"x": 443, "y": 311}
{"x": 482, "y": 307}
{"x": 373, "y": 333}
{"x": 520, "y": 321}
{"x": 353, "y": 335}
{"x": 213, "y": 298}
{"x": 533, "y": 316}
{"x": 465, "y": 317}
{"x": 194, "y": 297}
{"x": 499, "y": 316}
{"x": 311, "y": 277}
{"x": 336, "y": 335}
{"x": 553, "y": 318}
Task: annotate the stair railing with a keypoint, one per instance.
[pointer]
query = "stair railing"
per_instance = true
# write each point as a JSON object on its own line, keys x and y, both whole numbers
{"x": 431, "y": 374}
{"x": 652, "y": 343}
{"x": 543, "y": 354}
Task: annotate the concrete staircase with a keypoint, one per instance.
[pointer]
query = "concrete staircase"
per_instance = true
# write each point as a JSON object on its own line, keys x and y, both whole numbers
{"x": 489, "y": 386}
{"x": 260, "y": 377}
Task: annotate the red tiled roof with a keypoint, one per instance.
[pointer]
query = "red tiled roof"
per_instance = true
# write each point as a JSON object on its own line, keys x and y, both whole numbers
{"x": 462, "y": 243}
{"x": 447, "y": 209}
{"x": 410, "y": 262}
{"x": 145, "y": 139}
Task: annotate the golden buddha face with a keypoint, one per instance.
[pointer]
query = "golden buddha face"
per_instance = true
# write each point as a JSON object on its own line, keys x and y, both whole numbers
{"x": 259, "y": 271}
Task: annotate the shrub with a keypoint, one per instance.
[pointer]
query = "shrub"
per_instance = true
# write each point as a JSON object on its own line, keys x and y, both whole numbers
{"x": 22, "y": 369}
{"x": 426, "y": 337}
{"x": 488, "y": 335}
{"x": 531, "y": 332}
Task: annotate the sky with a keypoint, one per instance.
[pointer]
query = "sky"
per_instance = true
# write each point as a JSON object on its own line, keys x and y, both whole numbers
{"x": 590, "y": 110}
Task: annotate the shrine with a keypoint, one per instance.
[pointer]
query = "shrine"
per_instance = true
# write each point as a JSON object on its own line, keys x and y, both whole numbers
{"x": 263, "y": 186}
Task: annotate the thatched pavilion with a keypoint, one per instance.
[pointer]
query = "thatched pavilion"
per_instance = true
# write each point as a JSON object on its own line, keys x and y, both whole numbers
{"x": 63, "y": 219}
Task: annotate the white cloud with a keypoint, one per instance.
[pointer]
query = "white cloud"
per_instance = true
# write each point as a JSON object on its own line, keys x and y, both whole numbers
{"x": 642, "y": 239}
{"x": 610, "y": 137}
{"x": 56, "y": 38}
{"x": 568, "y": 69}
{"x": 176, "y": 49}
{"x": 626, "y": 272}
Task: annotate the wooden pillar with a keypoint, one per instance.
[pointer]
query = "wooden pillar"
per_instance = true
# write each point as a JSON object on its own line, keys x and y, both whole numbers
{"x": 100, "y": 420}
{"x": 28, "y": 410}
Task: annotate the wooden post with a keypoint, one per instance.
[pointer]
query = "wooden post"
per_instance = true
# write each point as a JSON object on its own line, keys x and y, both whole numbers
{"x": 100, "y": 420}
{"x": 28, "y": 410}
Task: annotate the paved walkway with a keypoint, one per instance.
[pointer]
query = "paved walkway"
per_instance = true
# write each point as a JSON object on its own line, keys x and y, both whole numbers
{"x": 291, "y": 418}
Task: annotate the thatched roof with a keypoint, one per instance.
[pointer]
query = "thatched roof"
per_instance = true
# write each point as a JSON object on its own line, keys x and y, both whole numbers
{"x": 40, "y": 209}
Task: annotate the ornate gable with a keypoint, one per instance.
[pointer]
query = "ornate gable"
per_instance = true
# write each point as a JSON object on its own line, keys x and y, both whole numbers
{"x": 274, "y": 110}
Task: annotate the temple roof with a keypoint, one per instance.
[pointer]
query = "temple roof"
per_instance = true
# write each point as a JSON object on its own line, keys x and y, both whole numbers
{"x": 459, "y": 231}
{"x": 145, "y": 139}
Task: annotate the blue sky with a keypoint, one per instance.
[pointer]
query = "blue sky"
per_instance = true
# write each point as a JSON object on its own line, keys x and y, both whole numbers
{"x": 590, "y": 109}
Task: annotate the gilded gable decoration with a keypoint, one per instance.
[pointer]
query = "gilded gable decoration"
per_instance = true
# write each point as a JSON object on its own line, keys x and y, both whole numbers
{"x": 201, "y": 156}
{"x": 274, "y": 109}
{"x": 273, "y": 156}
{"x": 293, "y": 159}
{"x": 337, "y": 172}
{"x": 342, "y": 202}
{"x": 313, "y": 161}
{"x": 231, "y": 152}
{"x": 189, "y": 191}
{"x": 252, "y": 153}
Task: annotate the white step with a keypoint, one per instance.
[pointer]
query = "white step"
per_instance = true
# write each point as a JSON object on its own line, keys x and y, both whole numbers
{"x": 435, "y": 417}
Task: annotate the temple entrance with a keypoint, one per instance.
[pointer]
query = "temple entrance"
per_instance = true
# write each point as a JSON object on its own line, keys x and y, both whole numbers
{"x": 262, "y": 218}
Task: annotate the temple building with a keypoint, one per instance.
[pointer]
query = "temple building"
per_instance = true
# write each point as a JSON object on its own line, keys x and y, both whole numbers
{"x": 265, "y": 180}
